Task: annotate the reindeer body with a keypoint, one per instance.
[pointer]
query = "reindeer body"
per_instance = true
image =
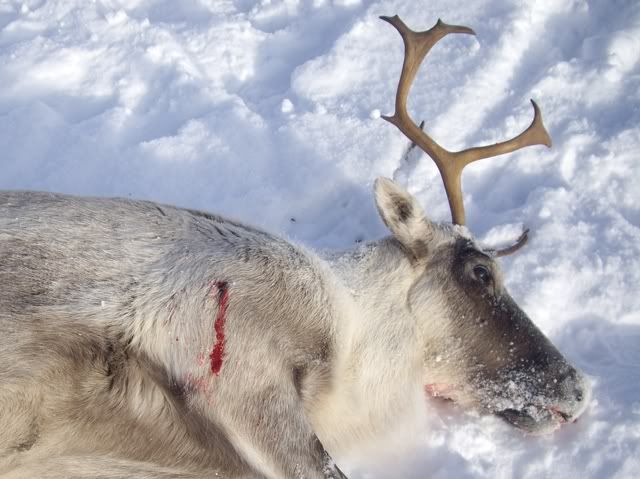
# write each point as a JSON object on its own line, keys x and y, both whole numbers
{"x": 108, "y": 312}
{"x": 142, "y": 340}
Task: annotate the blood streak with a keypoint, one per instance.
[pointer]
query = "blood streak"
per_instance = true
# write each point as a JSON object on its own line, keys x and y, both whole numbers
{"x": 217, "y": 353}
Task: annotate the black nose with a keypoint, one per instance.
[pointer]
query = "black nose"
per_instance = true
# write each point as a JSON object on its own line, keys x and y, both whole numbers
{"x": 572, "y": 384}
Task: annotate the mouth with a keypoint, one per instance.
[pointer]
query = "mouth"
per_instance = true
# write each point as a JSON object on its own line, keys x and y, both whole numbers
{"x": 560, "y": 416}
{"x": 536, "y": 419}
{"x": 531, "y": 418}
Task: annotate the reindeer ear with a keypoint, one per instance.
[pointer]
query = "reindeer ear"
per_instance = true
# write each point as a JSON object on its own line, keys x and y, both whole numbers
{"x": 403, "y": 216}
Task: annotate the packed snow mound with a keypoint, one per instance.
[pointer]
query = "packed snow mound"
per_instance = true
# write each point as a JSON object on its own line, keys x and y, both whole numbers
{"x": 269, "y": 111}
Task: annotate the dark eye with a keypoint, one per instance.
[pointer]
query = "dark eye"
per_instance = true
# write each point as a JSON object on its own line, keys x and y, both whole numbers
{"x": 482, "y": 274}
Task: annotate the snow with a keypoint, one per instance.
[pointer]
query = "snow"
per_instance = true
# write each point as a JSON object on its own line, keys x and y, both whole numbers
{"x": 269, "y": 111}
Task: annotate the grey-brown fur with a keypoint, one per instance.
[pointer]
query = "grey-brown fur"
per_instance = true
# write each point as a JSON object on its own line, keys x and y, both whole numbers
{"x": 107, "y": 319}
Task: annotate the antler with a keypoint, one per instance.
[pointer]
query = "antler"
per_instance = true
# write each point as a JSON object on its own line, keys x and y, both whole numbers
{"x": 449, "y": 163}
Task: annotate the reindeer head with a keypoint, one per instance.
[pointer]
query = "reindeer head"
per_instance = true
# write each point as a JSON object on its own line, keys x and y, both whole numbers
{"x": 479, "y": 347}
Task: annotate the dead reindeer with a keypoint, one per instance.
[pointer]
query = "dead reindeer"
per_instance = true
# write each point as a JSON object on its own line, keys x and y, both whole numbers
{"x": 141, "y": 340}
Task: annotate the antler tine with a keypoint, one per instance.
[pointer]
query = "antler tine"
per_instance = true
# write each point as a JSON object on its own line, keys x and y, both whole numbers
{"x": 535, "y": 134}
{"x": 450, "y": 164}
{"x": 520, "y": 242}
{"x": 417, "y": 45}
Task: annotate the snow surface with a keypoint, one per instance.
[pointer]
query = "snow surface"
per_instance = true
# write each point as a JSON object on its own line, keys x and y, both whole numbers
{"x": 269, "y": 111}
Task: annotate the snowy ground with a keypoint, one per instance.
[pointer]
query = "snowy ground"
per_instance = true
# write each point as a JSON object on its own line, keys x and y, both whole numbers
{"x": 268, "y": 111}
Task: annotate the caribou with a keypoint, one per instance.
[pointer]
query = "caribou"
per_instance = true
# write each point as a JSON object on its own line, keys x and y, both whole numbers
{"x": 143, "y": 340}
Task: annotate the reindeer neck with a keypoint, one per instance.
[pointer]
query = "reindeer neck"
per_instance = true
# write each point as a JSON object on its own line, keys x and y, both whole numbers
{"x": 377, "y": 345}
{"x": 376, "y": 277}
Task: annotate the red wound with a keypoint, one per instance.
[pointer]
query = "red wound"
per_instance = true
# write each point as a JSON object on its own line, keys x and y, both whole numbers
{"x": 217, "y": 353}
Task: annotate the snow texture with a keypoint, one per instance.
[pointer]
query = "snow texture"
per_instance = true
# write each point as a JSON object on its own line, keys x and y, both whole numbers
{"x": 269, "y": 111}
